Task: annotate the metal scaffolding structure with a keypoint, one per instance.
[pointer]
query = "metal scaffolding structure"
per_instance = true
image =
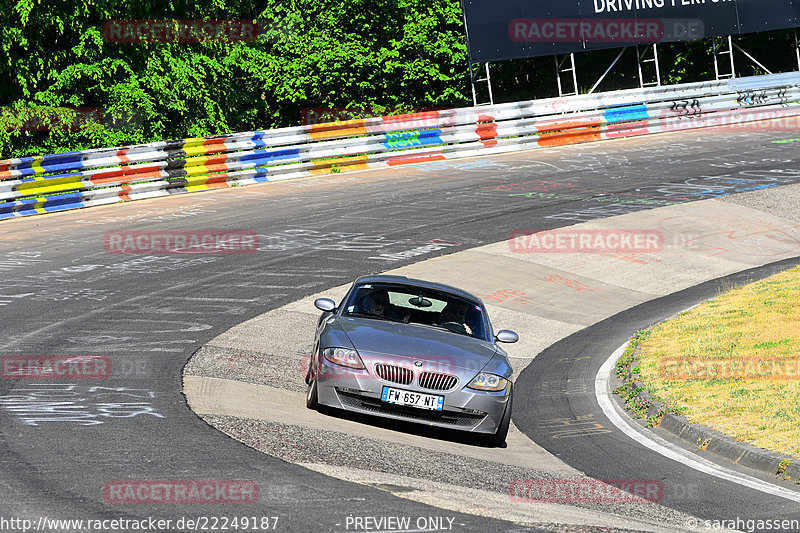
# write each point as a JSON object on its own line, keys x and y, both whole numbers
{"x": 643, "y": 60}
{"x": 474, "y": 80}
{"x": 560, "y": 69}
{"x": 718, "y": 52}
{"x": 724, "y": 50}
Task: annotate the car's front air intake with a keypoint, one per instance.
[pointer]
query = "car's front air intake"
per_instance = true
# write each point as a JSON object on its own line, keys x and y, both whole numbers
{"x": 395, "y": 374}
{"x": 436, "y": 381}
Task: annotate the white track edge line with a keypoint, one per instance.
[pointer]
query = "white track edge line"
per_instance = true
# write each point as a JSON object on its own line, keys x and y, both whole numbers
{"x": 668, "y": 450}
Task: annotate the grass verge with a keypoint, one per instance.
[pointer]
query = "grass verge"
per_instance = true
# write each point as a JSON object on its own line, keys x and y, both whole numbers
{"x": 732, "y": 363}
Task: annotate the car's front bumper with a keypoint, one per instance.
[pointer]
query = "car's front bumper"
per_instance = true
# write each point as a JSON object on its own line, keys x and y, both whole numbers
{"x": 359, "y": 391}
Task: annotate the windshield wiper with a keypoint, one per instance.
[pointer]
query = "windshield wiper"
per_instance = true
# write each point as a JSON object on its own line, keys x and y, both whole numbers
{"x": 376, "y": 317}
{"x": 440, "y": 326}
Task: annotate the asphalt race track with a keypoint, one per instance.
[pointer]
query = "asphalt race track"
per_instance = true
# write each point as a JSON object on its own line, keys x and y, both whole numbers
{"x": 67, "y": 443}
{"x": 604, "y": 454}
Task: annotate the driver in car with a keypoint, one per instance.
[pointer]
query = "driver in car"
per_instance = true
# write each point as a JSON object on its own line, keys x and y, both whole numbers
{"x": 454, "y": 313}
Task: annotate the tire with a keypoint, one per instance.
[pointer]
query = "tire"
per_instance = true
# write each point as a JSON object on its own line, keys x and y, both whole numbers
{"x": 312, "y": 398}
{"x": 499, "y": 438}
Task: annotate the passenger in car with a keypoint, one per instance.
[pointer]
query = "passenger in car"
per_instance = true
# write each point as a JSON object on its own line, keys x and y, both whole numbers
{"x": 378, "y": 302}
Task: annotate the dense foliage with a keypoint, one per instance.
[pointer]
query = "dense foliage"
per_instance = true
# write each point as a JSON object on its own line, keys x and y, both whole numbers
{"x": 312, "y": 53}
{"x": 372, "y": 54}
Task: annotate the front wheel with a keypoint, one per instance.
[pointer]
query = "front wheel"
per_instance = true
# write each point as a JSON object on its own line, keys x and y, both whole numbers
{"x": 312, "y": 400}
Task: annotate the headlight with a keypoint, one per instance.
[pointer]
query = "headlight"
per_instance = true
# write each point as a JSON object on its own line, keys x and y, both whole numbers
{"x": 488, "y": 382}
{"x": 344, "y": 357}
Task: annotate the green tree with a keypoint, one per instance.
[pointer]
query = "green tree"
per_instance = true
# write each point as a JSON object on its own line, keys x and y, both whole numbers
{"x": 393, "y": 54}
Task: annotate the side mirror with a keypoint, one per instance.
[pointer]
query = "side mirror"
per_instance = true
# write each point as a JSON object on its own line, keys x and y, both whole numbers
{"x": 506, "y": 336}
{"x": 325, "y": 304}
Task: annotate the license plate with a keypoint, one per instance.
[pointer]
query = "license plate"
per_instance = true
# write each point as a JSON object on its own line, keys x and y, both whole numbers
{"x": 412, "y": 399}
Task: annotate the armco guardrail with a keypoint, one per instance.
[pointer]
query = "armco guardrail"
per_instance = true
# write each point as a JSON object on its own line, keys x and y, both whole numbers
{"x": 41, "y": 184}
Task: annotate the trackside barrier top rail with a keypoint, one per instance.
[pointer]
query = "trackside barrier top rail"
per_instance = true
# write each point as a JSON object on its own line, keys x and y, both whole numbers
{"x": 56, "y": 182}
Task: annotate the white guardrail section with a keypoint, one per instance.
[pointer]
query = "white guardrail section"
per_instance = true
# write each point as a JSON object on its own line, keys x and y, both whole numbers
{"x": 41, "y": 184}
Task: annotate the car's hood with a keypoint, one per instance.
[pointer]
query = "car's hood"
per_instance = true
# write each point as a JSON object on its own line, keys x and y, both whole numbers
{"x": 375, "y": 339}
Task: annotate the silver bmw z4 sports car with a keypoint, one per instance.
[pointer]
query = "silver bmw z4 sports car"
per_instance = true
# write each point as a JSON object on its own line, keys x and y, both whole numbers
{"x": 415, "y": 351}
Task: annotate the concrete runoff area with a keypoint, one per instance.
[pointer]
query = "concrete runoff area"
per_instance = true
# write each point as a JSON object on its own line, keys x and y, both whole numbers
{"x": 65, "y": 294}
{"x": 544, "y": 295}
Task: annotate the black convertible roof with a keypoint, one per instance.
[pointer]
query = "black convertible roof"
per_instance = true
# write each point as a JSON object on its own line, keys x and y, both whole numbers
{"x": 384, "y": 278}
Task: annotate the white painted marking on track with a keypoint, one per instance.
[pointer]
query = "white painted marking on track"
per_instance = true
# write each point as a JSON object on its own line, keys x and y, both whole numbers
{"x": 214, "y": 299}
{"x": 670, "y": 451}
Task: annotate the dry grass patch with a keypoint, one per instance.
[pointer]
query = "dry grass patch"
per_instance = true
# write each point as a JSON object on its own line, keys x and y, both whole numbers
{"x": 733, "y": 363}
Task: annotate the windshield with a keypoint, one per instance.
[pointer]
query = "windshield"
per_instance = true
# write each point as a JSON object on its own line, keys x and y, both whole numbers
{"x": 415, "y": 305}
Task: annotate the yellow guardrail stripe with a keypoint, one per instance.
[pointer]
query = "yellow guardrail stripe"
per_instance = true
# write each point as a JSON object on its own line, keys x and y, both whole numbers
{"x": 42, "y": 186}
{"x": 37, "y": 168}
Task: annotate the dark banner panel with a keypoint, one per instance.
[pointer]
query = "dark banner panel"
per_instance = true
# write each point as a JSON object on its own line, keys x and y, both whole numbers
{"x": 511, "y": 29}
{"x": 763, "y": 15}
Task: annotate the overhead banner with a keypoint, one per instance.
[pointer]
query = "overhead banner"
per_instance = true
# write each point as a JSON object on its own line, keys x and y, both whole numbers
{"x": 512, "y": 29}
